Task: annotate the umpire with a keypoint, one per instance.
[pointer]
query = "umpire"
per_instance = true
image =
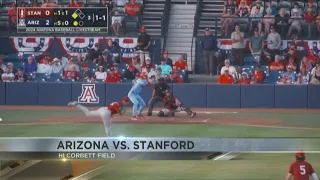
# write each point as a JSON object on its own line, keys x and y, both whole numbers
{"x": 158, "y": 94}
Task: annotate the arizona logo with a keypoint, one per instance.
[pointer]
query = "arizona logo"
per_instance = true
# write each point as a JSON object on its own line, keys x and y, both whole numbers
{"x": 88, "y": 94}
{"x": 31, "y": 45}
{"x": 74, "y": 45}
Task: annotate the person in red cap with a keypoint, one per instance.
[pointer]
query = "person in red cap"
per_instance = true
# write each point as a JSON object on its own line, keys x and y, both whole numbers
{"x": 300, "y": 169}
{"x": 132, "y": 8}
{"x": 143, "y": 44}
{"x": 165, "y": 57}
{"x": 112, "y": 77}
{"x": 105, "y": 113}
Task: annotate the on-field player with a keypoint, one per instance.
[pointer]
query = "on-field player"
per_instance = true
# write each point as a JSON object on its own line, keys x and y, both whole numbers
{"x": 171, "y": 105}
{"x": 158, "y": 94}
{"x": 300, "y": 169}
{"x": 136, "y": 99}
{"x": 104, "y": 112}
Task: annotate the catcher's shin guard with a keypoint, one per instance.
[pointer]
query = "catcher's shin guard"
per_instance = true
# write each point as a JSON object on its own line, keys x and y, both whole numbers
{"x": 187, "y": 110}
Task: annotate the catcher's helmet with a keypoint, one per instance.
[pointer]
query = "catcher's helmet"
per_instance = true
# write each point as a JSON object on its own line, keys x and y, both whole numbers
{"x": 126, "y": 99}
{"x": 161, "y": 80}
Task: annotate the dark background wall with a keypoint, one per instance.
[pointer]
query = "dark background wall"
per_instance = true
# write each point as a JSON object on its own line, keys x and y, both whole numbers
{"x": 193, "y": 95}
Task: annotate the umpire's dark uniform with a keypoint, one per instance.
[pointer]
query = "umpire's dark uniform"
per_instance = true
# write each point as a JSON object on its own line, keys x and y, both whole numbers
{"x": 158, "y": 94}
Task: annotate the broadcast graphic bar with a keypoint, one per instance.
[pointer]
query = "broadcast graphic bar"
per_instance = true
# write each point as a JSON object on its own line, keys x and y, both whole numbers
{"x": 157, "y": 144}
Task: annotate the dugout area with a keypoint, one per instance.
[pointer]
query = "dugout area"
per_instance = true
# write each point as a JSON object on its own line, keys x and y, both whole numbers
{"x": 39, "y": 121}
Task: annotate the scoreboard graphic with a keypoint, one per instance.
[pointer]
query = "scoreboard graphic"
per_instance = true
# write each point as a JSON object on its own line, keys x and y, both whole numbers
{"x": 62, "y": 20}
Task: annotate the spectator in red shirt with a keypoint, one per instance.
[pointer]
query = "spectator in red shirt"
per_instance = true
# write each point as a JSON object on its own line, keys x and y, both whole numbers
{"x": 310, "y": 19}
{"x": 72, "y": 73}
{"x": 12, "y": 16}
{"x": 180, "y": 63}
{"x": 132, "y": 8}
{"x": 116, "y": 70}
{"x": 174, "y": 78}
{"x": 149, "y": 63}
{"x": 75, "y": 4}
{"x": 226, "y": 78}
{"x": 258, "y": 75}
{"x": 305, "y": 64}
{"x": 112, "y": 77}
{"x": 312, "y": 57}
{"x": 301, "y": 169}
{"x": 248, "y": 2}
{"x": 277, "y": 65}
{"x": 244, "y": 79}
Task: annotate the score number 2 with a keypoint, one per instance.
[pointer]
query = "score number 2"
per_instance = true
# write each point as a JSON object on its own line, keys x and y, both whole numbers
{"x": 302, "y": 169}
{"x": 47, "y": 22}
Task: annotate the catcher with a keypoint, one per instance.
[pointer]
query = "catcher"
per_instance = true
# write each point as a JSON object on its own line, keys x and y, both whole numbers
{"x": 105, "y": 113}
{"x": 171, "y": 105}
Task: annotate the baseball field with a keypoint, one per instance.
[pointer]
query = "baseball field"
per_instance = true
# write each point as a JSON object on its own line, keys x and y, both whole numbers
{"x": 40, "y": 121}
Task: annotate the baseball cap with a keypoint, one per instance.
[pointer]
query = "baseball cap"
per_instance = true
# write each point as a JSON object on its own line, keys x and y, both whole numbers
{"x": 159, "y": 68}
{"x": 126, "y": 99}
{"x": 165, "y": 52}
{"x": 148, "y": 58}
{"x": 226, "y": 60}
{"x": 142, "y": 28}
{"x": 256, "y": 29}
{"x": 115, "y": 65}
{"x": 111, "y": 69}
{"x": 258, "y": 7}
{"x": 20, "y": 69}
{"x": 300, "y": 154}
{"x": 207, "y": 29}
{"x": 85, "y": 66}
{"x": 56, "y": 59}
{"x": 271, "y": 27}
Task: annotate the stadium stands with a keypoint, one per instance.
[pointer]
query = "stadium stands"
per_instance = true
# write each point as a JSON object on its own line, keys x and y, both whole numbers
{"x": 160, "y": 19}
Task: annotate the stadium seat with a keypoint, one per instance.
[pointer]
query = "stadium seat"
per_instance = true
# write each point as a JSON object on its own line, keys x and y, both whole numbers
{"x": 131, "y": 23}
{"x": 41, "y": 76}
{"x": 284, "y": 4}
{"x": 13, "y": 57}
{"x": 67, "y": 80}
{"x": 273, "y": 77}
{"x": 55, "y": 76}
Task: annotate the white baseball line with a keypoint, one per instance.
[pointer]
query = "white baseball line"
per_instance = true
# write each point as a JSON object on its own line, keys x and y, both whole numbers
{"x": 221, "y": 156}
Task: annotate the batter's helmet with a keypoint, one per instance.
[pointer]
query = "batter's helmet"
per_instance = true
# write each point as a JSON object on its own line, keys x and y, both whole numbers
{"x": 126, "y": 99}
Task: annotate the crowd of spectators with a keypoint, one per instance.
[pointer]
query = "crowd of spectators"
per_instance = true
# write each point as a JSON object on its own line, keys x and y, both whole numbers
{"x": 118, "y": 10}
{"x": 286, "y": 16}
{"x": 96, "y": 66}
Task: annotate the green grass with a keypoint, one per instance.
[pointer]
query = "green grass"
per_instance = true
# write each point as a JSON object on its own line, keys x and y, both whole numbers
{"x": 246, "y": 167}
{"x": 127, "y": 130}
